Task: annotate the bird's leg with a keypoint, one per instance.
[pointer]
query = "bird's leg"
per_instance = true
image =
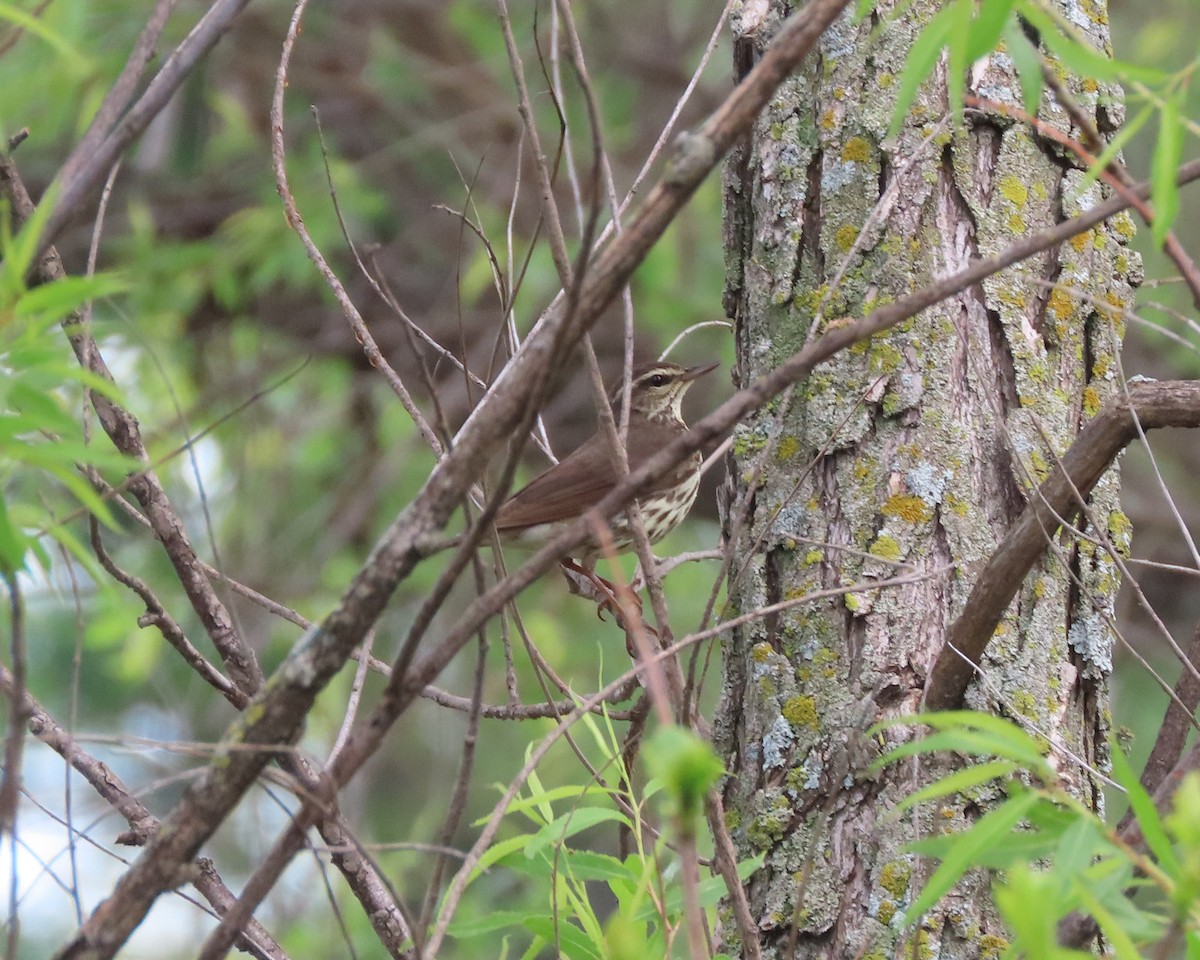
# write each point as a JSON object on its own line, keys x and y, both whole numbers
{"x": 603, "y": 591}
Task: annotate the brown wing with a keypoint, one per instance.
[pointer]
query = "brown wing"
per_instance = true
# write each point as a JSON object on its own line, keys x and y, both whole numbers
{"x": 564, "y": 491}
{"x": 578, "y": 481}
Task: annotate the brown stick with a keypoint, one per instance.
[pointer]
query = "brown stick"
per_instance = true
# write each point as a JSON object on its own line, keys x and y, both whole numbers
{"x": 1152, "y": 405}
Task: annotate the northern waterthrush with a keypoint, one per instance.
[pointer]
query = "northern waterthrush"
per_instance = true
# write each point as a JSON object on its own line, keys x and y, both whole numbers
{"x": 577, "y": 483}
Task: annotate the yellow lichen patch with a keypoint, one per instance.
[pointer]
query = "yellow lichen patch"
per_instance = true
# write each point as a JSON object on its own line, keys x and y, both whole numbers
{"x": 1120, "y": 528}
{"x": 885, "y": 357}
{"x": 894, "y": 878}
{"x": 787, "y": 448}
{"x": 1081, "y": 240}
{"x": 1061, "y": 303}
{"x": 1014, "y": 191}
{"x": 761, "y": 652}
{"x": 828, "y": 120}
{"x": 885, "y": 547}
{"x": 802, "y": 712}
{"x": 1012, "y": 298}
{"x": 1041, "y": 469}
{"x": 1091, "y": 401}
{"x": 1114, "y": 305}
{"x": 904, "y": 506}
{"x": 812, "y": 558}
{"x": 1123, "y": 224}
{"x": 1016, "y": 223}
{"x": 845, "y": 237}
{"x": 960, "y": 506}
{"x": 856, "y": 150}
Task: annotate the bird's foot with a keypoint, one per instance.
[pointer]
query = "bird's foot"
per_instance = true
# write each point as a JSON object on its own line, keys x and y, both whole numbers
{"x": 584, "y": 581}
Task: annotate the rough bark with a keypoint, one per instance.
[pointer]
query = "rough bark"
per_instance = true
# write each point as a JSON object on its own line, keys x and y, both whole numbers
{"x": 918, "y": 448}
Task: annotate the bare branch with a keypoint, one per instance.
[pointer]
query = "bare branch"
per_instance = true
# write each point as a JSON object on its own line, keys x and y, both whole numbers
{"x": 89, "y": 163}
{"x": 142, "y": 823}
{"x": 1174, "y": 403}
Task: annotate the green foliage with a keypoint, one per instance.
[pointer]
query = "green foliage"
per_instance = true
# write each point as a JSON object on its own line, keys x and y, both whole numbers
{"x": 646, "y": 885}
{"x": 686, "y": 767}
{"x": 1055, "y": 855}
{"x": 967, "y": 30}
{"x": 42, "y": 445}
{"x": 1168, "y": 151}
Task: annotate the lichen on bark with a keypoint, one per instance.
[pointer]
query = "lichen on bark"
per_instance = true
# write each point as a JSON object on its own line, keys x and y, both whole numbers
{"x": 909, "y": 454}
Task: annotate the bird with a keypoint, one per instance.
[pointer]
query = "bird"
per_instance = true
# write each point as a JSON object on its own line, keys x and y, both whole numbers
{"x": 567, "y": 490}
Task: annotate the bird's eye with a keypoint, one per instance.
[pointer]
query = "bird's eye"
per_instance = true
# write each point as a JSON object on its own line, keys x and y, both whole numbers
{"x": 659, "y": 380}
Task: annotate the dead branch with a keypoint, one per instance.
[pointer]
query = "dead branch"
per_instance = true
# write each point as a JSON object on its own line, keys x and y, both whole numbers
{"x": 1171, "y": 403}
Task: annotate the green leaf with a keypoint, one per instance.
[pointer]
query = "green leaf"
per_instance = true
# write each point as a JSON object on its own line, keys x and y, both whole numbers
{"x": 1079, "y": 846}
{"x": 624, "y": 938}
{"x": 990, "y": 831}
{"x": 60, "y": 298}
{"x": 1031, "y": 910}
{"x": 41, "y": 409}
{"x": 588, "y": 865}
{"x": 1115, "y": 146}
{"x": 1137, "y": 923}
{"x": 1145, "y": 813}
{"x": 486, "y": 921}
{"x": 573, "y": 943}
{"x": 570, "y": 824}
{"x": 919, "y": 64}
{"x": 958, "y": 60}
{"x": 1080, "y": 57}
{"x": 78, "y": 60}
{"x": 541, "y": 799}
{"x": 1164, "y": 168}
{"x": 958, "y": 782}
{"x": 1024, "y": 846}
{"x": 536, "y": 789}
{"x": 686, "y": 765}
{"x": 13, "y": 543}
{"x": 968, "y": 742}
{"x": 82, "y": 554}
{"x": 497, "y": 852}
{"x": 991, "y": 21}
{"x": 862, "y": 8}
{"x": 971, "y": 732}
{"x": 1029, "y": 67}
{"x": 1116, "y": 936}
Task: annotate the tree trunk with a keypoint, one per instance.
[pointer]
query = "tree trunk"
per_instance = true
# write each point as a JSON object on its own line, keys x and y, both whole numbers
{"x": 908, "y": 456}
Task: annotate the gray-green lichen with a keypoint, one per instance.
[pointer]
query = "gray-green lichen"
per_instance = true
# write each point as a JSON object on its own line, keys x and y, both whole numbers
{"x": 914, "y": 448}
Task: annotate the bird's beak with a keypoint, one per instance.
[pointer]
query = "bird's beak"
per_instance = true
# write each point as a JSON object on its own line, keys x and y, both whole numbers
{"x": 693, "y": 373}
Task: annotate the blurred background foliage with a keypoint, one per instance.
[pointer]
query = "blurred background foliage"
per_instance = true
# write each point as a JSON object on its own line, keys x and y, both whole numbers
{"x": 416, "y": 103}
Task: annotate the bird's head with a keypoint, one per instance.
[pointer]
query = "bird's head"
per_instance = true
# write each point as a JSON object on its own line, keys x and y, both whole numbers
{"x": 658, "y": 389}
